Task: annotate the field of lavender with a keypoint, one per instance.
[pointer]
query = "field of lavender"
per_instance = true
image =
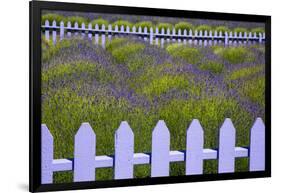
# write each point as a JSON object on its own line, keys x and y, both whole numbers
{"x": 141, "y": 83}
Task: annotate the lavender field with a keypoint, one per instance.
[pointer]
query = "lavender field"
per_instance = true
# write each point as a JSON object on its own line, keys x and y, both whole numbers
{"x": 140, "y": 83}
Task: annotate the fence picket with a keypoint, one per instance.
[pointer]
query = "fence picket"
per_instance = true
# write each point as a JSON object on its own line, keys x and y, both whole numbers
{"x": 76, "y": 27}
{"x": 226, "y": 147}
{"x": 61, "y": 30}
{"x": 96, "y": 34}
{"x": 179, "y": 36}
{"x": 109, "y": 32}
{"x": 257, "y": 146}
{"x": 168, "y": 35}
{"x": 103, "y": 36}
{"x": 47, "y": 32}
{"x": 156, "y": 33}
{"x": 160, "y": 150}
{"x": 90, "y": 33}
{"x": 54, "y": 33}
{"x": 145, "y": 34}
{"x": 184, "y": 35}
{"x": 83, "y": 30}
{"x": 162, "y": 38}
{"x": 124, "y": 152}
{"x": 190, "y": 37}
{"x": 151, "y": 36}
{"x": 194, "y": 149}
{"x": 47, "y": 155}
{"x": 68, "y": 29}
{"x": 84, "y": 154}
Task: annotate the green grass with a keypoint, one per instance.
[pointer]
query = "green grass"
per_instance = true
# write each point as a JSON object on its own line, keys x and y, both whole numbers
{"x": 184, "y": 26}
{"x": 212, "y": 66}
{"x": 100, "y": 22}
{"x": 240, "y": 29}
{"x": 124, "y": 23}
{"x": 189, "y": 54}
{"x": 235, "y": 55}
{"x": 52, "y": 17}
{"x": 222, "y": 29}
{"x": 164, "y": 26}
{"x": 143, "y": 24}
{"x": 78, "y": 19}
{"x": 204, "y": 28}
{"x": 245, "y": 72}
{"x": 258, "y": 30}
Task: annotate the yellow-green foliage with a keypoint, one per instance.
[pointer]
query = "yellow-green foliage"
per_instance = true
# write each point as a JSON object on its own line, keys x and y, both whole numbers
{"x": 52, "y": 17}
{"x": 184, "y": 26}
{"x": 258, "y": 30}
{"x": 244, "y": 72}
{"x": 78, "y": 19}
{"x": 114, "y": 43}
{"x": 235, "y": 55}
{"x": 222, "y": 29}
{"x": 143, "y": 24}
{"x": 204, "y": 28}
{"x": 240, "y": 29}
{"x": 164, "y": 26}
{"x": 124, "y": 23}
{"x": 189, "y": 54}
{"x": 212, "y": 66}
{"x": 49, "y": 49}
{"x": 100, "y": 22}
{"x": 122, "y": 53}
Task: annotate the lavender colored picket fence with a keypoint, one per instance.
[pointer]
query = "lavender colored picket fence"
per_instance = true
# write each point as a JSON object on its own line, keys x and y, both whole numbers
{"x": 158, "y": 36}
{"x": 85, "y": 160}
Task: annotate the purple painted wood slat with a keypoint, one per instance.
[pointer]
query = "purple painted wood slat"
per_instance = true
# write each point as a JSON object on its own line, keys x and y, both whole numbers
{"x": 124, "y": 152}
{"x": 47, "y": 32}
{"x": 160, "y": 150}
{"x": 84, "y": 153}
{"x": 226, "y": 147}
{"x": 194, "y": 149}
{"x": 257, "y": 146}
{"x": 47, "y": 153}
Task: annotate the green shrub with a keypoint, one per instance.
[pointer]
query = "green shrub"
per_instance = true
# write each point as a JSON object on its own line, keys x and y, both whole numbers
{"x": 78, "y": 19}
{"x": 204, "y": 28}
{"x": 240, "y": 29}
{"x": 189, "y": 54}
{"x": 49, "y": 49}
{"x": 164, "y": 26}
{"x": 115, "y": 43}
{"x": 122, "y": 53}
{"x": 235, "y": 55}
{"x": 120, "y": 23}
{"x": 52, "y": 17}
{"x": 100, "y": 22}
{"x": 143, "y": 24}
{"x": 184, "y": 26}
{"x": 258, "y": 30}
{"x": 222, "y": 29}
{"x": 244, "y": 72}
{"x": 212, "y": 66}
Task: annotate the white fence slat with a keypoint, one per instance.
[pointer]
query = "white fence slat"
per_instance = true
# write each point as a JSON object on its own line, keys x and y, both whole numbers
{"x": 90, "y": 33}
{"x": 245, "y": 38}
{"x": 260, "y": 38}
{"x": 61, "y": 30}
{"x": 83, "y": 30}
{"x": 47, "y": 153}
{"x": 76, "y": 28}
{"x": 221, "y": 37}
{"x": 179, "y": 35}
{"x": 139, "y": 32}
{"x": 194, "y": 149}
{"x": 185, "y": 35}
{"x": 124, "y": 152}
{"x": 211, "y": 38}
{"x": 122, "y": 30}
{"x": 151, "y": 36}
{"x": 54, "y": 33}
{"x": 173, "y": 35}
{"x": 257, "y": 146}
{"x": 227, "y": 147}
{"x": 145, "y": 34}
{"x": 103, "y": 36}
{"x": 156, "y": 33}
{"x": 250, "y": 38}
{"x": 162, "y": 38}
{"x": 240, "y": 38}
{"x": 68, "y": 31}
{"x": 84, "y": 154}
{"x": 47, "y": 32}
{"x": 168, "y": 35}
{"x": 235, "y": 38}
{"x": 109, "y": 32}
{"x": 215, "y": 37}
{"x": 116, "y": 31}
{"x": 205, "y": 38}
{"x": 160, "y": 150}
{"x": 96, "y": 34}
{"x": 190, "y": 37}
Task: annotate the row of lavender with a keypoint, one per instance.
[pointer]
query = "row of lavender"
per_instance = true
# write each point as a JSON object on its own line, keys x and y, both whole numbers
{"x": 192, "y": 37}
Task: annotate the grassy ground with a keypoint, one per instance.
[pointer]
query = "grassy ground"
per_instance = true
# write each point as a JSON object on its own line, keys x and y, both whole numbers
{"x": 133, "y": 81}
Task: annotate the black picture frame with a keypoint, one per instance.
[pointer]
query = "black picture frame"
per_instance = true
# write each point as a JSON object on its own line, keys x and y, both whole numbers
{"x": 35, "y": 94}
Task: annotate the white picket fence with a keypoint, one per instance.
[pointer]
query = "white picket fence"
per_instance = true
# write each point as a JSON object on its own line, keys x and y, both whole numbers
{"x": 85, "y": 160}
{"x": 206, "y": 38}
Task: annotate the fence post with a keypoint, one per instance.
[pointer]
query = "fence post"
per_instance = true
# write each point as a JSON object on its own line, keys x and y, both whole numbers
{"x": 151, "y": 36}
{"x": 47, "y": 153}
{"x": 90, "y": 33}
{"x": 160, "y": 150}
{"x": 84, "y": 153}
{"x": 226, "y": 147}
{"x": 61, "y": 30}
{"x": 68, "y": 29}
{"x": 103, "y": 36}
{"x": 96, "y": 34}
{"x": 257, "y": 146}
{"x": 54, "y": 32}
{"x": 47, "y": 32}
{"x": 194, "y": 149}
{"x": 124, "y": 152}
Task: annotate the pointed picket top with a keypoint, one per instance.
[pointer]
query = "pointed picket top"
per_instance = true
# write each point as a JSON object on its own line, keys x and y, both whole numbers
{"x": 47, "y": 154}
{"x": 179, "y": 32}
{"x": 124, "y": 152}
{"x": 96, "y": 27}
{"x": 162, "y": 31}
{"x": 47, "y": 23}
{"x": 210, "y": 33}
{"x": 76, "y": 25}
{"x": 54, "y": 33}
{"x": 255, "y": 35}
{"x": 230, "y": 34}
{"x": 69, "y": 24}
{"x": 145, "y": 30}
{"x": 196, "y": 33}
{"x": 83, "y": 25}
{"x": 156, "y": 30}
{"x": 240, "y": 34}
{"x": 194, "y": 148}
{"x": 168, "y": 31}
{"x": 134, "y": 29}
{"x": 109, "y": 27}
{"x": 174, "y": 31}
{"x": 139, "y": 29}
{"x": 200, "y": 33}
{"x": 61, "y": 24}
{"x": 122, "y": 28}
{"x": 263, "y": 35}
{"x": 84, "y": 154}
{"x": 257, "y": 146}
{"x": 103, "y": 27}
{"x": 151, "y": 30}
{"x": 127, "y": 29}
{"x": 205, "y": 33}
{"x": 160, "y": 150}
{"x": 220, "y": 34}
{"x": 250, "y": 34}
{"x": 227, "y": 147}
{"x": 61, "y": 30}
{"x": 185, "y": 32}
{"x": 89, "y": 26}
{"x": 190, "y": 32}
{"x": 54, "y": 23}
{"x": 116, "y": 28}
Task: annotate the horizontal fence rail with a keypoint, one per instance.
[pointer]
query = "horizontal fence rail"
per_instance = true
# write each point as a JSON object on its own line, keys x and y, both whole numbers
{"x": 154, "y": 36}
{"x": 85, "y": 160}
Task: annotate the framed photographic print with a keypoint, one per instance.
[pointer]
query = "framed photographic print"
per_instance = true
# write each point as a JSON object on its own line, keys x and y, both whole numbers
{"x": 123, "y": 96}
